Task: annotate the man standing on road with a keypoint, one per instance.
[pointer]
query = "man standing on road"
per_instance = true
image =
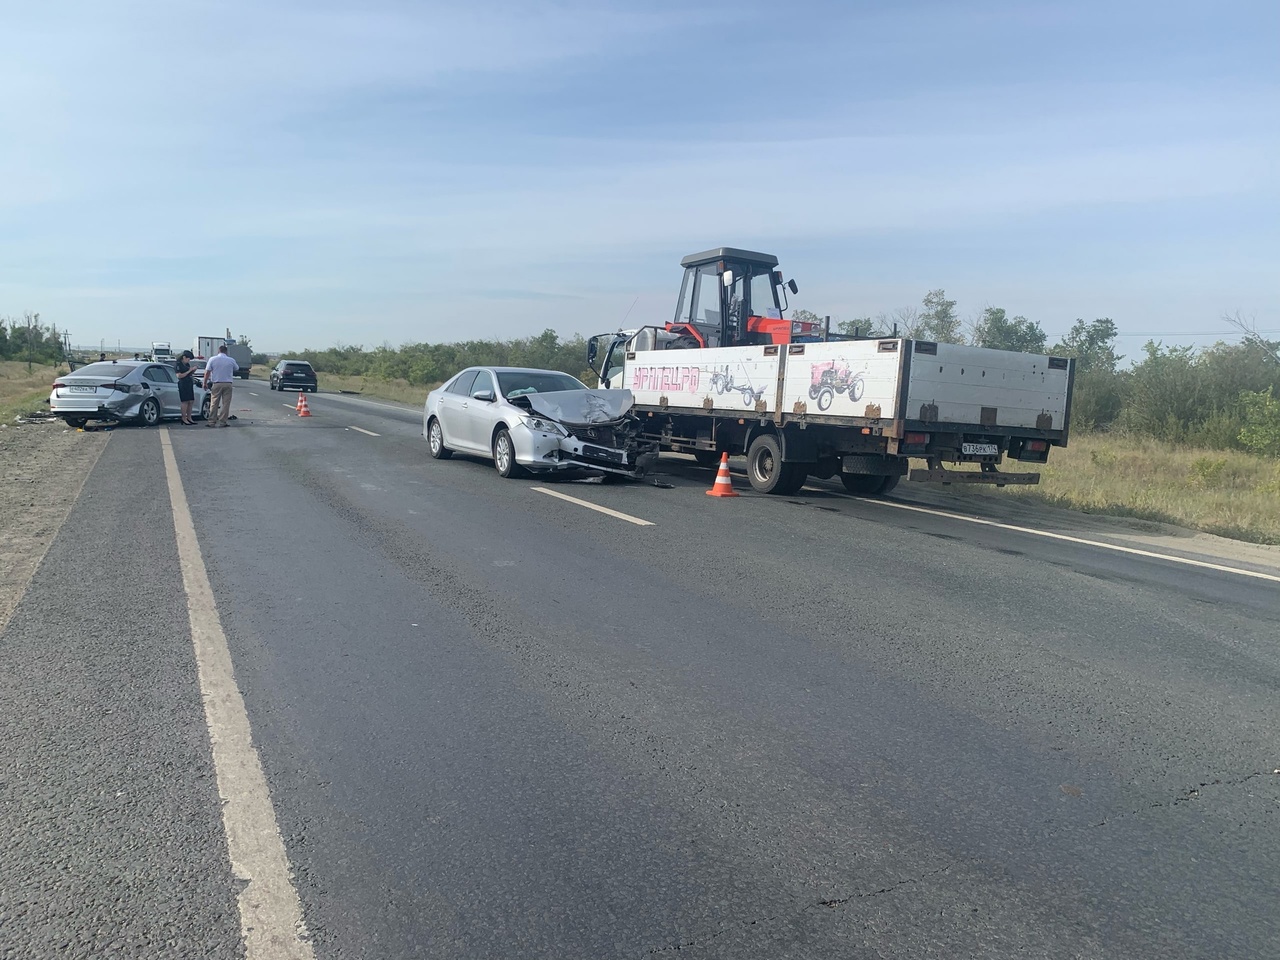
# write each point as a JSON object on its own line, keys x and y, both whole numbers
{"x": 218, "y": 374}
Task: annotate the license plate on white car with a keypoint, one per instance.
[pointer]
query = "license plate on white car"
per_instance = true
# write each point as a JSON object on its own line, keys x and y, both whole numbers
{"x": 979, "y": 449}
{"x": 83, "y": 389}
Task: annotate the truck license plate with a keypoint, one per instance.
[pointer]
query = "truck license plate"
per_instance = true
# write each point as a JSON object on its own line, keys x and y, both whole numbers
{"x": 979, "y": 449}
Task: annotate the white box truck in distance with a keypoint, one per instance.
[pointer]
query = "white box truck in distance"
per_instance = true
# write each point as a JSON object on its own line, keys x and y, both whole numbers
{"x": 207, "y": 347}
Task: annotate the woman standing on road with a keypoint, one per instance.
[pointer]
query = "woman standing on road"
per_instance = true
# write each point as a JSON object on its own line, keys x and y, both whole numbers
{"x": 186, "y": 385}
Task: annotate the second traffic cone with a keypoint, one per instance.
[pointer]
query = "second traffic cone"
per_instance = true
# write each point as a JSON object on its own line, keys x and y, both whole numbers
{"x": 723, "y": 487}
{"x": 303, "y": 409}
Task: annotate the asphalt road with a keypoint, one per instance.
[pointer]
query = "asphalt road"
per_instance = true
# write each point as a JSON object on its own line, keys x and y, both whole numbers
{"x": 495, "y": 723}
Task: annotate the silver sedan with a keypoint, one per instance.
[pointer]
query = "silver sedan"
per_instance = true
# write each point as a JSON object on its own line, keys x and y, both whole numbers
{"x": 536, "y": 421}
{"x": 117, "y": 390}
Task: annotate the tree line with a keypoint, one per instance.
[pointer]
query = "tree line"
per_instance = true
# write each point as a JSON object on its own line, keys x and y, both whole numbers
{"x": 29, "y": 339}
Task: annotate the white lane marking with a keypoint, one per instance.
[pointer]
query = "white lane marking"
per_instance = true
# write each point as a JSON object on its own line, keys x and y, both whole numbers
{"x": 1069, "y": 539}
{"x": 252, "y": 394}
{"x": 289, "y": 406}
{"x": 592, "y": 506}
{"x": 363, "y": 430}
{"x": 271, "y": 921}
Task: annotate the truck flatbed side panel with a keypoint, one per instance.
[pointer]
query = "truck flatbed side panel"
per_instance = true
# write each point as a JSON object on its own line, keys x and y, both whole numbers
{"x": 843, "y": 379}
{"x": 727, "y": 380}
{"x": 979, "y": 386}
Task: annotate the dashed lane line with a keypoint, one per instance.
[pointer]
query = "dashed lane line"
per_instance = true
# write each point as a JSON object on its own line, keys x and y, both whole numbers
{"x": 594, "y": 506}
{"x": 271, "y": 923}
{"x": 1187, "y": 561}
{"x": 363, "y": 430}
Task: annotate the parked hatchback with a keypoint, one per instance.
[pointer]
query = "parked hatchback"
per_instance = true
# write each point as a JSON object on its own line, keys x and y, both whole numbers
{"x": 118, "y": 390}
{"x": 293, "y": 373}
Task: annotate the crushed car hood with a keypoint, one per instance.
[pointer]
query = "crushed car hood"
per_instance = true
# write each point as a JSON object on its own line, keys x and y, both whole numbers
{"x": 572, "y": 407}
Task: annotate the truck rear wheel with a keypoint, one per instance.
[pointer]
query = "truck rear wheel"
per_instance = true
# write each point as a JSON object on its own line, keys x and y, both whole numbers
{"x": 767, "y": 471}
{"x": 868, "y": 484}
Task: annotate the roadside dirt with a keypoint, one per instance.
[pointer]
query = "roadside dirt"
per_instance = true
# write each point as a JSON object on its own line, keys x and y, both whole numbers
{"x": 42, "y": 470}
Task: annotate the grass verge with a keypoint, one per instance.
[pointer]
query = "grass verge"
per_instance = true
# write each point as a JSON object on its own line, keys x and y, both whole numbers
{"x": 22, "y": 392}
{"x": 1222, "y": 492}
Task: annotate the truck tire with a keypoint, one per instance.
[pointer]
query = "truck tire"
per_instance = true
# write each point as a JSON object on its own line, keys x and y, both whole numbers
{"x": 766, "y": 470}
{"x": 865, "y": 484}
{"x": 706, "y": 458}
{"x": 799, "y": 476}
{"x": 889, "y": 483}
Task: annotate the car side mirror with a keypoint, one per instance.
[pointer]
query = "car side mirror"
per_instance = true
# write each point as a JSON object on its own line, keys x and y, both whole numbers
{"x": 488, "y": 396}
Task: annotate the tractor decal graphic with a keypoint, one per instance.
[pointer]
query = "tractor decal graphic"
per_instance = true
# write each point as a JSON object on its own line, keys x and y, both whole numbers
{"x": 722, "y": 382}
{"x": 830, "y": 377}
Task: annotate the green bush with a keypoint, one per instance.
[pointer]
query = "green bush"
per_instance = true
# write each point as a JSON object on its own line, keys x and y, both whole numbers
{"x": 1261, "y": 431}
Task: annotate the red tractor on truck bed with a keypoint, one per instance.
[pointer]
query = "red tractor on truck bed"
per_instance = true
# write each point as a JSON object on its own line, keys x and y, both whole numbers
{"x": 730, "y": 298}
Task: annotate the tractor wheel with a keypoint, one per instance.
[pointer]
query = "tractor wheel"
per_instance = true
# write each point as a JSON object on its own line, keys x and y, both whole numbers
{"x": 825, "y": 396}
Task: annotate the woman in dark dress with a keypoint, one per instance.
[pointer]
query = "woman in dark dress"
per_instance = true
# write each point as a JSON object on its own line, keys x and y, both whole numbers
{"x": 186, "y": 385}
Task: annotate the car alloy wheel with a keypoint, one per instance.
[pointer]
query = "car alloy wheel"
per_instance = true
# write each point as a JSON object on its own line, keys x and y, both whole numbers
{"x": 435, "y": 440}
{"x": 504, "y": 455}
{"x": 150, "y": 412}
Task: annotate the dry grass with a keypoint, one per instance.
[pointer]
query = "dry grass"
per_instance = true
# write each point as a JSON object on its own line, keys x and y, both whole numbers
{"x": 22, "y": 392}
{"x": 1217, "y": 491}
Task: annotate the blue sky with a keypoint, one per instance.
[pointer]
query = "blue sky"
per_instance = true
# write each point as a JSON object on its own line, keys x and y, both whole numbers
{"x": 309, "y": 173}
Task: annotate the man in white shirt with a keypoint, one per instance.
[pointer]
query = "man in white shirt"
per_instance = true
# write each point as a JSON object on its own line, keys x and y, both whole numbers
{"x": 218, "y": 374}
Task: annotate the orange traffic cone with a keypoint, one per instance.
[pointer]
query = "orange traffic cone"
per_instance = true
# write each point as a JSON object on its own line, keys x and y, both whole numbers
{"x": 723, "y": 486}
{"x": 303, "y": 409}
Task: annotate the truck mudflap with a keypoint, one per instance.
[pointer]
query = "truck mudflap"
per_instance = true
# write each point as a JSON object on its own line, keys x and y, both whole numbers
{"x": 988, "y": 475}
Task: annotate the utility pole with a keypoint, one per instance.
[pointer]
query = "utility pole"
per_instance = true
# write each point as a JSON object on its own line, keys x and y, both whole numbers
{"x": 33, "y": 320}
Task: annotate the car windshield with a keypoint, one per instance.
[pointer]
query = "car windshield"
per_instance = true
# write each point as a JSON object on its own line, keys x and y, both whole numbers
{"x": 519, "y": 382}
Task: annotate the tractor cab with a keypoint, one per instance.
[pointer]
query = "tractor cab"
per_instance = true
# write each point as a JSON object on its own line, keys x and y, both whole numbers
{"x": 731, "y": 297}
{"x": 728, "y": 298}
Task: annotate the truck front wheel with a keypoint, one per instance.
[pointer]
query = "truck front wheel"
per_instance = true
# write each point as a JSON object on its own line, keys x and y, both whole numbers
{"x": 767, "y": 471}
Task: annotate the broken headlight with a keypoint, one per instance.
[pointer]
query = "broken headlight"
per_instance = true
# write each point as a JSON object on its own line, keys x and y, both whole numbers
{"x": 543, "y": 425}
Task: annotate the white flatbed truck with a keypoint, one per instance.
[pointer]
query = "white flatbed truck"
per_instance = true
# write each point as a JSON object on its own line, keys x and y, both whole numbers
{"x": 799, "y": 403}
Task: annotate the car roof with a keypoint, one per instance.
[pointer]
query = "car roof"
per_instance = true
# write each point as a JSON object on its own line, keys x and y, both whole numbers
{"x": 517, "y": 370}
{"x": 307, "y": 362}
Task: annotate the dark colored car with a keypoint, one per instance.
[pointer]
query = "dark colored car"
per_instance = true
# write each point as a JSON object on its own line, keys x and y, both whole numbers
{"x": 293, "y": 373}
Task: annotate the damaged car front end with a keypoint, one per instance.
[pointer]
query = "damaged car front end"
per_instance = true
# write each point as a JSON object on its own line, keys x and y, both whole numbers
{"x": 588, "y": 430}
